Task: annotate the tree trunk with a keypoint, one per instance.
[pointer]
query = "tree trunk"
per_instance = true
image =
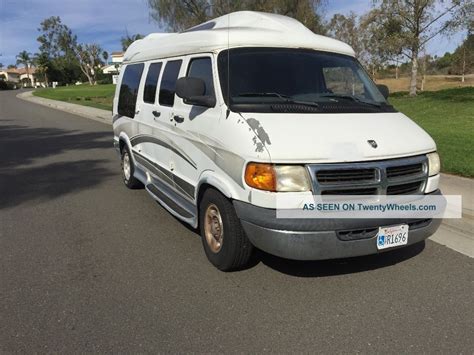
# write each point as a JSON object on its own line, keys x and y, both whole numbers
{"x": 28, "y": 74}
{"x": 396, "y": 71}
{"x": 414, "y": 72}
{"x": 463, "y": 63}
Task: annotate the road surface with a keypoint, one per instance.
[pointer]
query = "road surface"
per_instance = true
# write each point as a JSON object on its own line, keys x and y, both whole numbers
{"x": 88, "y": 265}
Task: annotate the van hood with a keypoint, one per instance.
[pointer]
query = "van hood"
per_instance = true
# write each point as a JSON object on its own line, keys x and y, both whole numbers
{"x": 330, "y": 138}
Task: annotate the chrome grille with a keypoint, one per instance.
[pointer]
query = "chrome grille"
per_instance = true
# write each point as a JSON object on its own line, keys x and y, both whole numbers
{"x": 383, "y": 177}
{"x": 342, "y": 175}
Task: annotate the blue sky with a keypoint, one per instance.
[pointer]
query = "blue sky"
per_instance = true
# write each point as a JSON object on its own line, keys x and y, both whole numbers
{"x": 105, "y": 22}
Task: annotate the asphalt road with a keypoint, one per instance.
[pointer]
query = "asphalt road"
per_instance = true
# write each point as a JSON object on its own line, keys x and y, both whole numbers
{"x": 88, "y": 265}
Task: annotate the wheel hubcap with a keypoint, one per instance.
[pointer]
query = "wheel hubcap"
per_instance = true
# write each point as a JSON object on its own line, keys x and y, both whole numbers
{"x": 126, "y": 166}
{"x": 213, "y": 228}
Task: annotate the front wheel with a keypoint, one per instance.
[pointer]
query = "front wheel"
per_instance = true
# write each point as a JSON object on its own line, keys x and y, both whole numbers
{"x": 128, "y": 169}
{"x": 223, "y": 238}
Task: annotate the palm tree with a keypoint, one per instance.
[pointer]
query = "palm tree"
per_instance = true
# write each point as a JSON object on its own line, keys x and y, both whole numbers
{"x": 105, "y": 55}
{"x": 128, "y": 40}
{"x": 24, "y": 58}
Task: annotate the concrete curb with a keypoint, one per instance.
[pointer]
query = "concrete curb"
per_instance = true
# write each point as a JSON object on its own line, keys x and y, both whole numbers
{"x": 92, "y": 113}
{"x": 456, "y": 234}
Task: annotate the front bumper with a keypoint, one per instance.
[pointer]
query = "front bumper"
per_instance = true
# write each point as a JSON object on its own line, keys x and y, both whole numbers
{"x": 318, "y": 239}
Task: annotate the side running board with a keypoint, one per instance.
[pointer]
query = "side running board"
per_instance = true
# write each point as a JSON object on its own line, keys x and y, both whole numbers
{"x": 173, "y": 202}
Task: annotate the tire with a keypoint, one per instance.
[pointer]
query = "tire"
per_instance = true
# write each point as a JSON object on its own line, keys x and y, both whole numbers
{"x": 128, "y": 169}
{"x": 231, "y": 250}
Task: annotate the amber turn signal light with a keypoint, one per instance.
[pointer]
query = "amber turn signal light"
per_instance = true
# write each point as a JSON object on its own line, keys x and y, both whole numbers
{"x": 261, "y": 176}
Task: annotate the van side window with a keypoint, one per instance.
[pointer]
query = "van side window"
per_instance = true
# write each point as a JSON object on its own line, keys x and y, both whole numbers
{"x": 202, "y": 68}
{"x": 151, "y": 82}
{"x": 129, "y": 90}
{"x": 168, "y": 82}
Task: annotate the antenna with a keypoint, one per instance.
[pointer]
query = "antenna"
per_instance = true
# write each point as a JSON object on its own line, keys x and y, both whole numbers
{"x": 228, "y": 60}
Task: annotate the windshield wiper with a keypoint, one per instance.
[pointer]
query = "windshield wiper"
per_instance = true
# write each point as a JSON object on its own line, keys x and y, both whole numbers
{"x": 353, "y": 98}
{"x": 285, "y": 98}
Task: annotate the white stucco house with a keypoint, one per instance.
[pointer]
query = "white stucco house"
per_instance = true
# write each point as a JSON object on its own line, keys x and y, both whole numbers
{"x": 20, "y": 75}
{"x": 113, "y": 68}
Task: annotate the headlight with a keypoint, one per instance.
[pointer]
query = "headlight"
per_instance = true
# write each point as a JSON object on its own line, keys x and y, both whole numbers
{"x": 434, "y": 164}
{"x": 281, "y": 178}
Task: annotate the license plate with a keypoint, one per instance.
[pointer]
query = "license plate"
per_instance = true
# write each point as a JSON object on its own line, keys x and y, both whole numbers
{"x": 394, "y": 236}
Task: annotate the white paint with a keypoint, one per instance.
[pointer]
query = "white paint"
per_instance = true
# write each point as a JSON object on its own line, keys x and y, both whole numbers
{"x": 243, "y": 28}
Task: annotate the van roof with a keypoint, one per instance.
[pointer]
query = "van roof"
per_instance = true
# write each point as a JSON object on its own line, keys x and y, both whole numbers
{"x": 237, "y": 29}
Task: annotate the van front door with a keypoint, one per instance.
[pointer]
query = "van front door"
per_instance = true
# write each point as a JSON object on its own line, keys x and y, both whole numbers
{"x": 193, "y": 127}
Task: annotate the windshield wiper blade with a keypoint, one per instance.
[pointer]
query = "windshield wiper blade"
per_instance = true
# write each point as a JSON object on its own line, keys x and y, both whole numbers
{"x": 285, "y": 98}
{"x": 353, "y": 98}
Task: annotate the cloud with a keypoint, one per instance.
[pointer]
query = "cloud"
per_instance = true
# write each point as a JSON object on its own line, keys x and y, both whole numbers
{"x": 103, "y": 22}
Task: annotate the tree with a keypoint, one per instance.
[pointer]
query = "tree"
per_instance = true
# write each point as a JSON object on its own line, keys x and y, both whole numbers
{"x": 420, "y": 21}
{"x": 56, "y": 48}
{"x": 11, "y": 66}
{"x": 179, "y": 15}
{"x": 463, "y": 57}
{"x": 67, "y": 56}
{"x": 105, "y": 55}
{"x": 88, "y": 56}
{"x": 347, "y": 29}
{"x": 129, "y": 39}
{"x": 24, "y": 58}
{"x": 42, "y": 63}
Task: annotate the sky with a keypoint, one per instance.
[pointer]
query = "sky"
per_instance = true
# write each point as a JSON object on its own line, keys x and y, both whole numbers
{"x": 105, "y": 22}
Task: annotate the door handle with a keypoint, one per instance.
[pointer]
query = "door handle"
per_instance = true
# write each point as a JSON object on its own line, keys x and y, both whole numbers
{"x": 179, "y": 119}
{"x": 156, "y": 113}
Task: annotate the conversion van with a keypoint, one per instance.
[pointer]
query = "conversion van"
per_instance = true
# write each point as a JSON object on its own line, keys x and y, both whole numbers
{"x": 218, "y": 121}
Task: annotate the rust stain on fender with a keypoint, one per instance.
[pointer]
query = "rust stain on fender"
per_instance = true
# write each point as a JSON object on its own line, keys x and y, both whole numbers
{"x": 260, "y": 133}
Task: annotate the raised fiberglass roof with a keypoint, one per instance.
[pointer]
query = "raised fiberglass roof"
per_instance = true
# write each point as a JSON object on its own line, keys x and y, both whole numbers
{"x": 238, "y": 29}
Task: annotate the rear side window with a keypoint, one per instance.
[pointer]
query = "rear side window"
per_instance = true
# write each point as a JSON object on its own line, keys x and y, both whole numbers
{"x": 168, "y": 82}
{"x": 151, "y": 82}
{"x": 202, "y": 68}
{"x": 129, "y": 90}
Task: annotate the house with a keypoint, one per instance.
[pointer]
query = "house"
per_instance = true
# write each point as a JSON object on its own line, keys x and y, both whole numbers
{"x": 114, "y": 67}
{"x": 11, "y": 75}
{"x": 19, "y": 75}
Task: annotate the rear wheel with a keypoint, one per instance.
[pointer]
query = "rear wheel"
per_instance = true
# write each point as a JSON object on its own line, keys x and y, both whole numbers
{"x": 223, "y": 238}
{"x": 128, "y": 169}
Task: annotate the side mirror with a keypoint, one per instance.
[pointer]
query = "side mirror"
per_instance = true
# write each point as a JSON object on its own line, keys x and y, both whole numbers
{"x": 383, "y": 90}
{"x": 192, "y": 90}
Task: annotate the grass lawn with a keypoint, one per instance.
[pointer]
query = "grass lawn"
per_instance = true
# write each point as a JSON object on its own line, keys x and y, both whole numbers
{"x": 432, "y": 83}
{"x": 99, "y": 96}
{"x": 448, "y": 116}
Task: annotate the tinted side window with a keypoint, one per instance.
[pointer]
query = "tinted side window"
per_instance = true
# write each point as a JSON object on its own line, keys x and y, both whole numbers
{"x": 168, "y": 82}
{"x": 202, "y": 68}
{"x": 129, "y": 90}
{"x": 151, "y": 82}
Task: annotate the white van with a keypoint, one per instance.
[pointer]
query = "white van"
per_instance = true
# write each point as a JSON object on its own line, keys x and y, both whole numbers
{"x": 217, "y": 121}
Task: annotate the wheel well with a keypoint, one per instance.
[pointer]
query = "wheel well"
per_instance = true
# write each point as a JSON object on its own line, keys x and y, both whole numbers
{"x": 121, "y": 145}
{"x": 201, "y": 191}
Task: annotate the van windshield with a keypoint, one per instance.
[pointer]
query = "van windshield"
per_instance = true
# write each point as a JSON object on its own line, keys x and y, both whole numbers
{"x": 297, "y": 80}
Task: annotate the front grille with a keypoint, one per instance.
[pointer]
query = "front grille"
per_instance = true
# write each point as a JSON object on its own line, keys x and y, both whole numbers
{"x": 385, "y": 177}
{"x": 372, "y": 191}
{"x": 404, "y": 170}
{"x": 344, "y": 175}
{"x": 404, "y": 189}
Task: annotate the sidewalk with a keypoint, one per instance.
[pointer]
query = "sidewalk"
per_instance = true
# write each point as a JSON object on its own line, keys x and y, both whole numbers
{"x": 80, "y": 110}
{"x": 457, "y": 234}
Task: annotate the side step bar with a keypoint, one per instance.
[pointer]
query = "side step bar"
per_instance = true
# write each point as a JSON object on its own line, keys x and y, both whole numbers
{"x": 173, "y": 202}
